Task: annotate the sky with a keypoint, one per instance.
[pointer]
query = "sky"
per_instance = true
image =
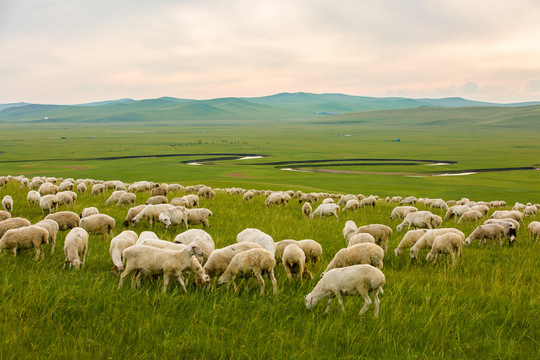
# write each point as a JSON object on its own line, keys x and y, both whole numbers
{"x": 76, "y": 51}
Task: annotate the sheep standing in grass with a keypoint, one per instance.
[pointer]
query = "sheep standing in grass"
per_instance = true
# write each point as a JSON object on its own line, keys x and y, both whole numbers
{"x": 365, "y": 253}
{"x": 369, "y": 201}
{"x": 361, "y": 239}
{"x": 12, "y": 223}
{"x": 48, "y": 189}
{"x": 65, "y": 219}
{"x": 469, "y": 216}
{"x": 157, "y": 200}
{"x": 81, "y": 188}
{"x": 420, "y": 220}
{"x": 409, "y": 200}
{"x": 248, "y": 196}
{"x": 326, "y": 210}
{"x": 132, "y": 213}
{"x": 380, "y": 232}
{"x": 534, "y": 230}
{"x": 344, "y": 198}
{"x": 449, "y": 244}
{"x": 351, "y": 280}
{"x": 312, "y": 249}
{"x": 307, "y": 209}
{"x": 200, "y": 238}
{"x": 33, "y": 197}
{"x": 349, "y": 229}
{"x": 26, "y": 237}
{"x": 52, "y": 228}
{"x": 401, "y": 211}
{"x": 219, "y": 259}
{"x": 426, "y": 241}
{"x": 49, "y": 203}
{"x": 174, "y": 216}
{"x": 150, "y": 213}
{"x": 199, "y": 216}
{"x": 483, "y": 232}
{"x": 510, "y": 214}
{"x": 254, "y": 262}
{"x": 4, "y": 215}
{"x": 530, "y": 210}
{"x": 352, "y": 205}
{"x": 258, "y": 237}
{"x": 99, "y": 224}
{"x": 7, "y": 203}
{"x": 89, "y": 211}
{"x": 127, "y": 199}
{"x": 115, "y": 196}
{"x": 148, "y": 260}
{"x": 294, "y": 261}
{"x": 410, "y": 238}
{"x": 119, "y": 243}
{"x": 75, "y": 247}
{"x": 98, "y": 189}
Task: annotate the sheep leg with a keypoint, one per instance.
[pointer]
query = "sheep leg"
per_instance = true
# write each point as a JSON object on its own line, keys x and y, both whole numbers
{"x": 233, "y": 280}
{"x": 340, "y": 300}
{"x": 288, "y": 271}
{"x": 376, "y": 301}
{"x": 260, "y": 279}
{"x": 308, "y": 272}
{"x": 84, "y": 255}
{"x": 367, "y": 300}
{"x": 272, "y": 280}
{"x": 453, "y": 257}
{"x": 122, "y": 277}
{"x": 14, "y": 251}
{"x": 330, "y": 299}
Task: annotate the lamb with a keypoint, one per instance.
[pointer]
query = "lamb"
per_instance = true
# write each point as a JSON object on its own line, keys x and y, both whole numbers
{"x": 361, "y": 239}
{"x": 365, "y": 253}
{"x": 119, "y": 243}
{"x": 66, "y": 219}
{"x": 401, "y": 211}
{"x": 534, "y": 230}
{"x": 511, "y": 214}
{"x": 49, "y": 202}
{"x": 199, "y": 216}
{"x": 219, "y": 259}
{"x": 132, "y": 212}
{"x": 351, "y": 280}
{"x": 426, "y": 241}
{"x": 254, "y": 262}
{"x": 12, "y": 223}
{"x": 352, "y": 205}
{"x": 307, "y": 209}
{"x": 89, "y": 211}
{"x": 115, "y": 196}
{"x": 150, "y": 213}
{"x": 52, "y": 228}
{"x": 410, "y": 238}
{"x": 75, "y": 247}
{"x": 81, "y": 188}
{"x": 489, "y": 231}
{"x": 448, "y": 244}
{"x": 369, "y": 201}
{"x": 174, "y": 216}
{"x": 326, "y": 210}
{"x": 127, "y": 199}
{"x": 471, "y": 215}
{"x": 4, "y": 215}
{"x": 7, "y": 203}
{"x": 33, "y": 197}
{"x": 98, "y": 224}
{"x": 380, "y": 232}
{"x": 149, "y": 260}
{"x": 420, "y": 219}
{"x": 294, "y": 260}
{"x": 157, "y": 200}
{"x": 199, "y": 237}
{"x": 26, "y": 237}
{"x": 259, "y": 237}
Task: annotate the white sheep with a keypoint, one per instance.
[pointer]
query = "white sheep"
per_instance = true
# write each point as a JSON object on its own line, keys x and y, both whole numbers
{"x": 199, "y": 237}
{"x": 484, "y": 209}
{"x": 420, "y": 220}
{"x": 157, "y": 200}
{"x": 258, "y": 237}
{"x": 534, "y": 230}
{"x": 98, "y": 224}
{"x": 33, "y": 197}
{"x": 119, "y": 243}
{"x": 530, "y": 211}
{"x": 65, "y": 219}
{"x": 81, "y": 188}
{"x": 75, "y": 247}
{"x": 437, "y": 203}
{"x": 510, "y": 214}
{"x": 89, "y": 211}
{"x": 307, "y": 209}
{"x": 150, "y": 213}
{"x": 471, "y": 215}
{"x": 326, "y": 210}
{"x": 254, "y": 262}
{"x": 365, "y": 253}
{"x": 160, "y": 190}
{"x": 449, "y": 244}
{"x": 344, "y": 198}
{"x": 198, "y": 216}
{"x": 49, "y": 202}
{"x": 409, "y": 200}
{"x": 98, "y": 189}
{"x": 52, "y": 228}
{"x": 219, "y": 259}
{"x": 4, "y": 215}
{"x": 148, "y": 260}
{"x": 401, "y": 211}
{"x": 132, "y": 212}
{"x": 26, "y": 237}
{"x": 483, "y": 232}
{"x": 380, "y": 232}
{"x": 369, "y": 201}
{"x": 64, "y": 198}
{"x": 192, "y": 200}
{"x": 277, "y": 198}
{"x": 12, "y": 223}
{"x": 410, "y": 238}
{"x": 351, "y": 280}
{"x": 127, "y": 199}
{"x": 457, "y": 211}
{"x": 7, "y": 203}
{"x": 349, "y": 229}
{"x": 352, "y": 205}
{"x": 115, "y": 196}
{"x": 47, "y": 189}
{"x": 294, "y": 261}
{"x": 312, "y": 249}
{"x": 426, "y": 241}
{"x": 174, "y": 216}
{"x": 361, "y": 239}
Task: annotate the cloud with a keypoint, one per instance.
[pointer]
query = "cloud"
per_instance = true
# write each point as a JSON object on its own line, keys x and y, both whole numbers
{"x": 533, "y": 86}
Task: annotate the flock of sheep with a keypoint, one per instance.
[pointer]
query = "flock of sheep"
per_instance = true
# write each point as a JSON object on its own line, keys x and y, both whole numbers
{"x": 354, "y": 270}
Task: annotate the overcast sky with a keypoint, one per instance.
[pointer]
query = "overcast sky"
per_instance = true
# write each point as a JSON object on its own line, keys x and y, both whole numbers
{"x": 74, "y": 51}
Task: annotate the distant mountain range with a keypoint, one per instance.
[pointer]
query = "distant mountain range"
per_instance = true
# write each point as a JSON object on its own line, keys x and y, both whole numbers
{"x": 274, "y": 107}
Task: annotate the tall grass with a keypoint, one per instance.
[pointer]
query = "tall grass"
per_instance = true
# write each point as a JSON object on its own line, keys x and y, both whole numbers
{"x": 485, "y": 307}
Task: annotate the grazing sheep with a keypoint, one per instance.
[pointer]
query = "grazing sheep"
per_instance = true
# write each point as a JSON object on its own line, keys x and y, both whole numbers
{"x": 48, "y": 189}
{"x": 4, "y": 215}
{"x": 150, "y": 213}
{"x": 369, "y": 201}
{"x": 448, "y": 244}
{"x": 198, "y": 216}
{"x": 351, "y": 280}
{"x": 395, "y": 200}
{"x": 258, "y": 237}
{"x": 157, "y": 200}
{"x": 98, "y": 189}
{"x": 33, "y": 197}
{"x": 248, "y": 196}
{"x": 149, "y": 260}
{"x": 127, "y": 199}
{"x": 52, "y": 228}
{"x": 365, "y": 253}
{"x": 115, "y": 196}
{"x": 420, "y": 220}
{"x": 534, "y": 230}
{"x": 12, "y": 223}
{"x": 457, "y": 211}
{"x": 160, "y": 190}
{"x": 98, "y": 224}
{"x": 426, "y": 241}
{"x": 219, "y": 259}
{"x": 277, "y": 198}
{"x": 132, "y": 212}
{"x": 180, "y": 202}
{"x": 349, "y": 229}
{"x": 81, "y": 188}
{"x": 174, "y": 188}
{"x": 510, "y": 214}
{"x": 471, "y": 215}
{"x": 66, "y": 185}
{"x": 504, "y": 223}
{"x": 401, "y": 211}
{"x": 119, "y": 243}
{"x": 344, "y": 198}
{"x": 174, "y": 216}
{"x": 64, "y": 198}
{"x": 361, "y": 239}
{"x": 380, "y": 232}
{"x": 306, "y": 209}
{"x": 254, "y": 262}
{"x": 7, "y": 203}
{"x": 530, "y": 211}
{"x": 437, "y": 203}
{"x": 329, "y": 201}
{"x": 26, "y": 237}
{"x": 409, "y": 200}
{"x": 75, "y": 247}
{"x": 206, "y": 192}
{"x": 199, "y": 237}
{"x": 326, "y": 210}
{"x": 410, "y": 238}
{"x": 352, "y": 205}
{"x": 49, "y": 202}
{"x": 483, "y": 232}
{"x": 312, "y": 249}
{"x": 482, "y": 208}
{"x": 89, "y": 211}
{"x": 65, "y": 219}
{"x": 294, "y": 261}
{"x": 192, "y": 200}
